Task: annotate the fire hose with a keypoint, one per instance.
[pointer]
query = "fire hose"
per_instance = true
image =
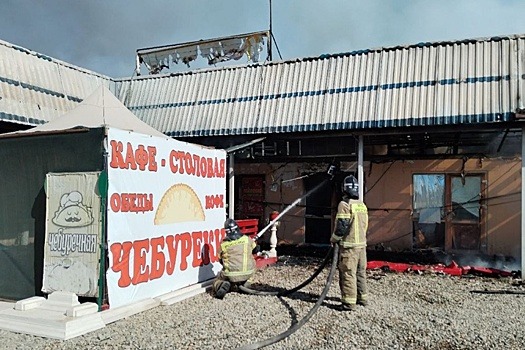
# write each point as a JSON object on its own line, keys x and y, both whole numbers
{"x": 295, "y": 289}
{"x": 296, "y": 326}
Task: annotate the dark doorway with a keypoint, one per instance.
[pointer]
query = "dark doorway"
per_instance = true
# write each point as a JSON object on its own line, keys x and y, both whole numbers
{"x": 318, "y": 214}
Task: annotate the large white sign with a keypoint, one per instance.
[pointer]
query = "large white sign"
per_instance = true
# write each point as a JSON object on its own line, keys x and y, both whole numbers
{"x": 165, "y": 215}
{"x": 72, "y": 240}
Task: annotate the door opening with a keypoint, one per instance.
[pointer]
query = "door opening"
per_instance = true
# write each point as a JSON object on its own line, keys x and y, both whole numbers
{"x": 318, "y": 214}
{"x": 463, "y": 212}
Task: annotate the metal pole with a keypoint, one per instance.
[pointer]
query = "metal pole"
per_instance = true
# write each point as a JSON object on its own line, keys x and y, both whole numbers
{"x": 270, "y": 36}
{"x": 231, "y": 183}
{"x": 522, "y": 203}
{"x": 360, "y": 171}
{"x": 103, "y": 184}
{"x": 102, "y": 262}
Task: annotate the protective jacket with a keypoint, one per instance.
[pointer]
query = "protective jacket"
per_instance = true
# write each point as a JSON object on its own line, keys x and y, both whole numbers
{"x": 351, "y": 224}
{"x": 237, "y": 259}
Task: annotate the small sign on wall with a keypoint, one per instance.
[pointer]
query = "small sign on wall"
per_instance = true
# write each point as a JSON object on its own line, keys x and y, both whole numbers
{"x": 252, "y": 196}
{"x": 72, "y": 237}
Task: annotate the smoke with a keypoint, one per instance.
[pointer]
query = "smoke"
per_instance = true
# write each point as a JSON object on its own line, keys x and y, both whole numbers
{"x": 104, "y": 35}
{"x": 508, "y": 264}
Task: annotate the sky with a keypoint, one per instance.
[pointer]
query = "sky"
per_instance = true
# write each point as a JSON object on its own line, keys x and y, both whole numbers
{"x": 103, "y": 35}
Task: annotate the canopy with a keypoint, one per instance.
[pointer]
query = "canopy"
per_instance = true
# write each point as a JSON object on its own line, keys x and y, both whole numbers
{"x": 100, "y": 109}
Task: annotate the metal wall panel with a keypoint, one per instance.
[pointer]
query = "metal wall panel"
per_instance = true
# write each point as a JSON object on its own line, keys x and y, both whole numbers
{"x": 35, "y": 88}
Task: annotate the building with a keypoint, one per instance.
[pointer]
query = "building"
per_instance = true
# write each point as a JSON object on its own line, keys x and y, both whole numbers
{"x": 439, "y": 126}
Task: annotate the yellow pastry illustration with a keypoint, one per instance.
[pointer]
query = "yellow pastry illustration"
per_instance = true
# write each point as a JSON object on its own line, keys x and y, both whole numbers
{"x": 179, "y": 204}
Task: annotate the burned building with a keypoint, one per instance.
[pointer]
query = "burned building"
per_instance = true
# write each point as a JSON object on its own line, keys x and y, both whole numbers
{"x": 433, "y": 129}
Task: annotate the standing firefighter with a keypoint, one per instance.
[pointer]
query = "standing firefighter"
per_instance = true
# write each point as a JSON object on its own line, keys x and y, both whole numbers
{"x": 351, "y": 224}
{"x": 235, "y": 255}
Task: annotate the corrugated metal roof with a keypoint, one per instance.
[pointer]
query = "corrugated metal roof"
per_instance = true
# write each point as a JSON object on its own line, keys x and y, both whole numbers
{"x": 445, "y": 83}
{"x": 427, "y": 84}
{"x": 35, "y": 88}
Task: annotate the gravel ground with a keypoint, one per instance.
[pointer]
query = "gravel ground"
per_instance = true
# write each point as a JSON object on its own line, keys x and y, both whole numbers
{"x": 406, "y": 311}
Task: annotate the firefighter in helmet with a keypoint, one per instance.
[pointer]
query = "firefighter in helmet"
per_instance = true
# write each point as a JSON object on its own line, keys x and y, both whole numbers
{"x": 350, "y": 227}
{"x": 235, "y": 255}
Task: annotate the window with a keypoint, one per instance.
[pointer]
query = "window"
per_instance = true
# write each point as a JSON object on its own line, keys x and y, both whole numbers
{"x": 428, "y": 216}
{"x": 447, "y": 211}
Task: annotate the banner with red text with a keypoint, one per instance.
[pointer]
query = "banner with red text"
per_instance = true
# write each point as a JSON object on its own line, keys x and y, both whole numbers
{"x": 165, "y": 214}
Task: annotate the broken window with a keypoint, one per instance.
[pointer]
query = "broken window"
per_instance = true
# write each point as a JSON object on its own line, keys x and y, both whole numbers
{"x": 465, "y": 197}
{"x": 464, "y": 216}
{"x": 428, "y": 214}
{"x": 446, "y": 211}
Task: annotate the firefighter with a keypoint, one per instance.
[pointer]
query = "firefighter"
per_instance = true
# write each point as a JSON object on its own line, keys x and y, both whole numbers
{"x": 238, "y": 263}
{"x": 350, "y": 227}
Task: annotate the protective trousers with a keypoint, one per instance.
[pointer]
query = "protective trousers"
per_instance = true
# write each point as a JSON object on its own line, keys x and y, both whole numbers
{"x": 219, "y": 280}
{"x": 352, "y": 275}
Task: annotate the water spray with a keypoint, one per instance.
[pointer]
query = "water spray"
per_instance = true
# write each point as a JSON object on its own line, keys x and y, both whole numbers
{"x": 332, "y": 169}
{"x": 271, "y": 223}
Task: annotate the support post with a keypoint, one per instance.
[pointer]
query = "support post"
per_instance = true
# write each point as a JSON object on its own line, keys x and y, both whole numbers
{"x": 522, "y": 203}
{"x": 231, "y": 183}
{"x": 360, "y": 171}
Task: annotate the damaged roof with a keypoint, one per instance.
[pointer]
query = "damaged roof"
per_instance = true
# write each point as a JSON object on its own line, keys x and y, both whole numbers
{"x": 428, "y": 84}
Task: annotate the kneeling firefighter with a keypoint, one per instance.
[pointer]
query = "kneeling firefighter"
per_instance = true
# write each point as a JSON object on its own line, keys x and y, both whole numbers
{"x": 235, "y": 255}
{"x": 351, "y": 224}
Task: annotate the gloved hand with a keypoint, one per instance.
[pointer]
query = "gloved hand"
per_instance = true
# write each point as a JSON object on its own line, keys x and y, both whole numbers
{"x": 257, "y": 249}
{"x": 335, "y": 239}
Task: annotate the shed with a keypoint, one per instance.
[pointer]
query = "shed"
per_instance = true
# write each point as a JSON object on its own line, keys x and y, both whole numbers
{"x": 88, "y": 195}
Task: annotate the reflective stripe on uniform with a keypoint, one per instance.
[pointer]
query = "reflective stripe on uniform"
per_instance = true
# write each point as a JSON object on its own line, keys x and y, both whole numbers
{"x": 245, "y": 258}
{"x": 343, "y": 216}
{"x": 238, "y": 273}
{"x": 348, "y": 300}
{"x": 357, "y": 208}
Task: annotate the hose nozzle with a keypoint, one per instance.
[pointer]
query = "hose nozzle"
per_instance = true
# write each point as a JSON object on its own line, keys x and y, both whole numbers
{"x": 332, "y": 169}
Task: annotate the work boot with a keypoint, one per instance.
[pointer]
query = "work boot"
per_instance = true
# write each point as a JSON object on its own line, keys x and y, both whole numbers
{"x": 362, "y": 302}
{"x": 223, "y": 289}
{"x": 348, "y": 307}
